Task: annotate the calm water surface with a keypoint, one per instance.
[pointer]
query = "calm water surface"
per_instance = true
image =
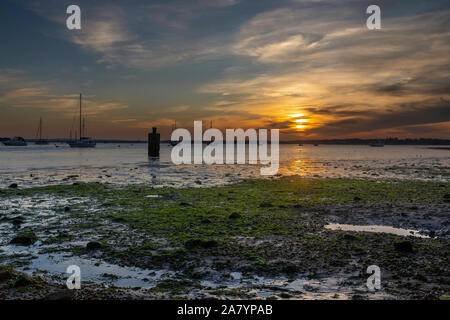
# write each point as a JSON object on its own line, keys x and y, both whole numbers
{"x": 125, "y": 163}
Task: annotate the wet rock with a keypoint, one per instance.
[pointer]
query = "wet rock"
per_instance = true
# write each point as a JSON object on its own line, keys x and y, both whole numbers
{"x": 198, "y": 243}
{"x": 265, "y": 205}
{"x": 5, "y": 275}
{"x": 350, "y": 237}
{"x": 290, "y": 268}
{"x": 17, "y": 221}
{"x": 404, "y": 246}
{"x": 13, "y": 186}
{"x": 25, "y": 238}
{"x": 93, "y": 245}
{"x": 185, "y": 204}
{"x": 234, "y": 215}
{"x": 420, "y": 277}
{"x": 22, "y": 281}
{"x": 63, "y": 294}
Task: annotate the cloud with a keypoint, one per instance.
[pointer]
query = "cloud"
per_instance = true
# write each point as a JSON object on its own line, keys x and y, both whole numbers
{"x": 123, "y": 120}
{"x": 324, "y": 62}
{"x": 178, "y": 109}
{"x": 280, "y": 58}
{"x": 43, "y": 99}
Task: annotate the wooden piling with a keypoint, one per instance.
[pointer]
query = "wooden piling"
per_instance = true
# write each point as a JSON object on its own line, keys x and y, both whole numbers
{"x": 153, "y": 144}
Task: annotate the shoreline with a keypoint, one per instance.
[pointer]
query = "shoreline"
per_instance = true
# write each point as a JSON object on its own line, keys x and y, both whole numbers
{"x": 257, "y": 239}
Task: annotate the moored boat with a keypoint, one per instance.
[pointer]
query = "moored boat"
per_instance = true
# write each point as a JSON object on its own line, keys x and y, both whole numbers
{"x": 378, "y": 143}
{"x": 15, "y": 142}
{"x": 82, "y": 142}
{"x": 39, "y": 133}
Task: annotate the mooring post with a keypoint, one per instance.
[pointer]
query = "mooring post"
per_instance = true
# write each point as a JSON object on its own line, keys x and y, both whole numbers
{"x": 153, "y": 144}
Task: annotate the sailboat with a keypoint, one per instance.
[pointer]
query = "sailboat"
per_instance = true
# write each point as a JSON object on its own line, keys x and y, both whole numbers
{"x": 82, "y": 142}
{"x": 39, "y": 133}
{"x": 378, "y": 143}
{"x": 174, "y": 142}
{"x": 15, "y": 142}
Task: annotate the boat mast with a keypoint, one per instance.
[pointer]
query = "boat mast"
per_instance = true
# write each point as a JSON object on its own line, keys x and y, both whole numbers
{"x": 80, "y": 118}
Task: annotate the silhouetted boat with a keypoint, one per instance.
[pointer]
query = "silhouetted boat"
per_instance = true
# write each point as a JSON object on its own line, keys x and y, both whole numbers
{"x": 39, "y": 133}
{"x": 15, "y": 142}
{"x": 83, "y": 142}
{"x": 377, "y": 144}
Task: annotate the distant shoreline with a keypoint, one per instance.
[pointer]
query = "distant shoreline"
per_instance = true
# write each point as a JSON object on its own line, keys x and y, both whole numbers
{"x": 391, "y": 141}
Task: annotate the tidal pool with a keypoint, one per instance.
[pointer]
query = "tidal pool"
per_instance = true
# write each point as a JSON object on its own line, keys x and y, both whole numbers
{"x": 374, "y": 228}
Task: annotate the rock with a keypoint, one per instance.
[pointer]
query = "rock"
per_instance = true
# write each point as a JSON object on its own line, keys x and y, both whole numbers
{"x": 290, "y": 268}
{"x": 13, "y": 186}
{"x": 17, "y": 221}
{"x": 94, "y": 245}
{"x": 234, "y": 215}
{"x": 63, "y": 294}
{"x": 185, "y": 204}
{"x": 209, "y": 244}
{"x": 447, "y": 197}
{"x": 350, "y": 237}
{"x": 5, "y": 275}
{"x": 420, "y": 277}
{"x": 404, "y": 246}
{"x": 25, "y": 238}
{"x": 265, "y": 205}
{"x": 198, "y": 243}
{"x": 22, "y": 281}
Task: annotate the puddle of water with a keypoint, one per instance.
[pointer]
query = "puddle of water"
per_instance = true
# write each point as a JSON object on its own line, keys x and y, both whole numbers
{"x": 374, "y": 228}
{"x": 99, "y": 271}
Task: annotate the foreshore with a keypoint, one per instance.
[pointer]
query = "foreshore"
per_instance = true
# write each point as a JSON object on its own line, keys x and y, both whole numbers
{"x": 256, "y": 239}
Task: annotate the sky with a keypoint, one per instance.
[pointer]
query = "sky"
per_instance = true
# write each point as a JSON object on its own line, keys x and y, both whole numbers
{"x": 310, "y": 68}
